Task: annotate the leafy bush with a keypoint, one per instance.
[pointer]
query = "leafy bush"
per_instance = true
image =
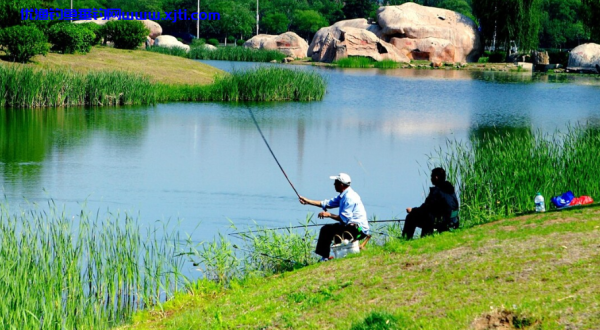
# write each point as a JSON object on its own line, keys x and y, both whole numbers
{"x": 230, "y": 39}
{"x": 126, "y": 34}
{"x": 483, "y": 59}
{"x": 198, "y": 42}
{"x": 495, "y": 57}
{"x": 69, "y": 38}
{"x": 22, "y": 42}
{"x": 240, "y": 42}
{"x": 96, "y": 29}
{"x": 213, "y": 41}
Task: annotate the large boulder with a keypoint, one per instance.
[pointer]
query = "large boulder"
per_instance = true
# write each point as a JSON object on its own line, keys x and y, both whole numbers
{"x": 155, "y": 28}
{"x": 361, "y": 42}
{"x": 585, "y": 57}
{"x": 438, "y": 29}
{"x": 322, "y": 46}
{"x": 288, "y": 43}
{"x": 170, "y": 42}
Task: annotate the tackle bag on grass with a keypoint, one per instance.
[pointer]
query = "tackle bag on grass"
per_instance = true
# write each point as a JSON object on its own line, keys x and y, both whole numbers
{"x": 568, "y": 199}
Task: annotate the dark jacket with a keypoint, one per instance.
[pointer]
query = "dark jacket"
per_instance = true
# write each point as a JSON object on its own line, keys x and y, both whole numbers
{"x": 441, "y": 201}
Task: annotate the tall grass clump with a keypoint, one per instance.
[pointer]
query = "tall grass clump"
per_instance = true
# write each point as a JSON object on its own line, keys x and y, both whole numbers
{"x": 241, "y": 54}
{"x": 258, "y": 84}
{"x": 24, "y": 87}
{"x": 355, "y": 62}
{"x": 81, "y": 273}
{"x": 386, "y": 64}
{"x": 498, "y": 172}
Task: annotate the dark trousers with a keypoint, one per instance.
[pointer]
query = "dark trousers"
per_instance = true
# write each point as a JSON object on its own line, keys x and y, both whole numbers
{"x": 327, "y": 235}
{"x": 418, "y": 218}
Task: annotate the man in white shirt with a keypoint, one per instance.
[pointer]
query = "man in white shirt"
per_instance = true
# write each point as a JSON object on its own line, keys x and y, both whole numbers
{"x": 352, "y": 216}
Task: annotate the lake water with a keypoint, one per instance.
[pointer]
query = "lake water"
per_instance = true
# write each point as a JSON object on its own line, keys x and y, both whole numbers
{"x": 205, "y": 164}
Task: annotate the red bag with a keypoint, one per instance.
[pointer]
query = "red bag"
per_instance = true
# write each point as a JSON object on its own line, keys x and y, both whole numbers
{"x": 583, "y": 200}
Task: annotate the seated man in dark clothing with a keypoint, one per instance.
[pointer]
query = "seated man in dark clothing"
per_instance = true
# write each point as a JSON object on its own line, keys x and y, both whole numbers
{"x": 441, "y": 203}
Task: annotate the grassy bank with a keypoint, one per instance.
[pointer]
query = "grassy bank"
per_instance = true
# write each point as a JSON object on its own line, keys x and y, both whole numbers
{"x": 63, "y": 272}
{"x": 241, "y": 54}
{"x": 26, "y": 87}
{"x": 158, "y": 67}
{"x": 498, "y": 171}
{"x": 539, "y": 270}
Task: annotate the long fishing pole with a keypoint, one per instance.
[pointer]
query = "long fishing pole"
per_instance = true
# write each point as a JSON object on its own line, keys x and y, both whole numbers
{"x": 239, "y": 234}
{"x": 272, "y": 153}
{"x": 269, "y": 256}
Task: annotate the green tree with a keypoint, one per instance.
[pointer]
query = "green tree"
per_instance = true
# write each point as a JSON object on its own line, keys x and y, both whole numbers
{"x": 275, "y": 23}
{"x": 307, "y": 22}
{"x": 503, "y": 21}
{"x": 591, "y": 13}
{"x": 126, "y": 34}
{"x": 561, "y": 24}
{"x": 459, "y": 6}
{"x": 358, "y": 8}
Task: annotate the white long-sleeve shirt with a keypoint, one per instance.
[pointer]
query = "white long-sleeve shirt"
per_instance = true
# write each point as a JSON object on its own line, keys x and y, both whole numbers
{"x": 351, "y": 207}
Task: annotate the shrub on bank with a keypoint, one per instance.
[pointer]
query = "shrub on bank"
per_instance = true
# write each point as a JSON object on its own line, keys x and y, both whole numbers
{"x": 22, "y": 42}
{"x": 355, "y": 62}
{"x": 213, "y": 41}
{"x": 125, "y": 34}
{"x": 69, "y": 38}
{"x": 97, "y": 30}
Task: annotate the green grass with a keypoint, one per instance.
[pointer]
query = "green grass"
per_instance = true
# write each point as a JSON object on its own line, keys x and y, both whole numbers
{"x": 63, "y": 272}
{"x": 538, "y": 269}
{"x": 499, "y": 171}
{"x": 242, "y": 54}
{"x": 25, "y": 87}
{"x": 355, "y": 62}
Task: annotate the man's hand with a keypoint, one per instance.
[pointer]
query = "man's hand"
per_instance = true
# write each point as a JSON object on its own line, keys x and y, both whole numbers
{"x": 408, "y": 209}
{"x": 303, "y": 200}
{"x": 324, "y": 215}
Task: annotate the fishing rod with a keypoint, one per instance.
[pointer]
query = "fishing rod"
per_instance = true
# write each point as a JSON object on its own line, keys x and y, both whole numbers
{"x": 241, "y": 233}
{"x": 270, "y": 256}
{"x": 272, "y": 153}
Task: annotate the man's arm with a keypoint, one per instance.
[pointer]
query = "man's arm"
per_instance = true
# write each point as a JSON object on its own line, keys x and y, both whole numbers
{"x": 324, "y": 215}
{"x": 306, "y": 201}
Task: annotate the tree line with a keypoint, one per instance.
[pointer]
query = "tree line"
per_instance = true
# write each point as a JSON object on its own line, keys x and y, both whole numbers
{"x": 530, "y": 24}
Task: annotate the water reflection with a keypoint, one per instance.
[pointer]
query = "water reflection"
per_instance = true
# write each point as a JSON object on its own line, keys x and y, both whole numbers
{"x": 28, "y": 137}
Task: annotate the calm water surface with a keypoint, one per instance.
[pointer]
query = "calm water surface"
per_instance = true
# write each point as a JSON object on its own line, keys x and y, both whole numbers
{"x": 205, "y": 163}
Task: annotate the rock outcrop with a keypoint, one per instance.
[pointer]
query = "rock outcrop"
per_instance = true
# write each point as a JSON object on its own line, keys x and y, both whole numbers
{"x": 170, "y": 42}
{"x": 446, "y": 35}
{"x": 355, "y": 37}
{"x": 288, "y": 43}
{"x": 361, "y": 42}
{"x": 585, "y": 58}
{"x": 431, "y": 49}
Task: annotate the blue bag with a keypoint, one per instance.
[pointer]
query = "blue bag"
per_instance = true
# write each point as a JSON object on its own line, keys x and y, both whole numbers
{"x": 563, "y": 200}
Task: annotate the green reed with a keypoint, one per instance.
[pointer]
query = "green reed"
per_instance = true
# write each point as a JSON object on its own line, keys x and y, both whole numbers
{"x": 241, "y": 54}
{"x": 258, "y": 84}
{"x": 82, "y": 272}
{"x": 498, "y": 172}
{"x": 355, "y": 62}
{"x": 31, "y": 88}
{"x": 24, "y": 87}
{"x": 387, "y": 64}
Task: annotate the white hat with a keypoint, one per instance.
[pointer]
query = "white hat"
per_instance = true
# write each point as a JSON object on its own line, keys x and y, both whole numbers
{"x": 342, "y": 177}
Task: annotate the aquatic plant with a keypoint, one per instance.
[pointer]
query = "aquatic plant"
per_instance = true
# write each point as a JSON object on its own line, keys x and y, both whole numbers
{"x": 499, "y": 171}
{"x": 355, "y": 62}
{"x": 23, "y": 87}
{"x": 63, "y": 272}
{"x": 241, "y": 54}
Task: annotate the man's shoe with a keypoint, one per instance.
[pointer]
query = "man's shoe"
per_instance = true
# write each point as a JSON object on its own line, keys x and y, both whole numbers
{"x": 325, "y": 259}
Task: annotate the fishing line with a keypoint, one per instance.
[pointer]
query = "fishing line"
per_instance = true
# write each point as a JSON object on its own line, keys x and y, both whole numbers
{"x": 272, "y": 153}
